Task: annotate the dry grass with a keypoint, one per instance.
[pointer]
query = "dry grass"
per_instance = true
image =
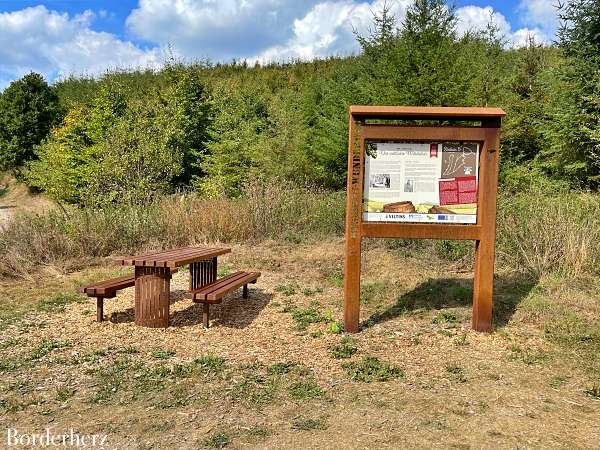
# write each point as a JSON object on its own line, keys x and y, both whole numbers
{"x": 72, "y": 239}
{"x": 266, "y": 383}
{"x": 538, "y": 232}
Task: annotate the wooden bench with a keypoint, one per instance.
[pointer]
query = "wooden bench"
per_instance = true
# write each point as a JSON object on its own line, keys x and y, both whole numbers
{"x": 108, "y": 289}
{"x": 213, "y": 293}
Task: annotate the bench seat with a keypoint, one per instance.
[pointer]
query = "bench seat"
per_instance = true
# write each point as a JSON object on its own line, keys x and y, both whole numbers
{"x": 213, "y": 293}
{"x": 108, "y": 288}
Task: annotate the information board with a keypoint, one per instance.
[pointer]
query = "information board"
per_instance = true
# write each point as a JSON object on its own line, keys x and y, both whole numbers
{"x": 419, "y": 172}
{"x": 421, "y": 182}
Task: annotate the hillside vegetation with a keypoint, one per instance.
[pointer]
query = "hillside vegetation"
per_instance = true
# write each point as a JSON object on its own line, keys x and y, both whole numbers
{"x": 115, "y": 149}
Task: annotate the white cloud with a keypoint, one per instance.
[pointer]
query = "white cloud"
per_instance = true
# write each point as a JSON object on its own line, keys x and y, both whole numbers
{"x": 256, "y": 29}
{"x": 218, "y": 29}
{"x": 475, "y": 18}
{"x": 56, "y": 44}
{"x": 329, "y": 27}
{"x": 540, "y": 14}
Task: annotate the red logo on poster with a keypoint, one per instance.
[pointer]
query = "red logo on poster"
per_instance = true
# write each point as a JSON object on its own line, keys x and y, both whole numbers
{"x": 433, "y": 150}
{"x": 458, "y": 191}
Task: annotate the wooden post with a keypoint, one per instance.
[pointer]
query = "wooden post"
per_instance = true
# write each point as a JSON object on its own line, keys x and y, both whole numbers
{"x": 353, "y": 236}
{"x": 205, "y": 313}
{"x": 245, "y": 291}
{"x": 99, "y": 309}
{"x": 483, "y": 286}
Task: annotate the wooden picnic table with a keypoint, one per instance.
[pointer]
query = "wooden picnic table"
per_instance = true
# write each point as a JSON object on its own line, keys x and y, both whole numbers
{"x": 153, "y": 279}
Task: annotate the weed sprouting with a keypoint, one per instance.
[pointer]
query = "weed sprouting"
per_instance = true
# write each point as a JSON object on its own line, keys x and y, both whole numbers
{"x": 286, "y": 289}
{"x": 371, "y": 369}
{"x": 218, "y": 440}
{"x": 345, "y": 349}
{"x": 457, "y": 372}
{"x": 305, "y": 390}
{"x": 163, "y": 354}
{"x": 306, "y": 424}
{"x": 446, "y": 317}
{"x": 281, "y": 368}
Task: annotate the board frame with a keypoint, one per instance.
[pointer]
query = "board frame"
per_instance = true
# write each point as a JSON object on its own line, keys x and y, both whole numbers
{"x": 452, "y": 128}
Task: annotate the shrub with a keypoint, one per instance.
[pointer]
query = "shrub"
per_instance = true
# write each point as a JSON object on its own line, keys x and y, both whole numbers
{"x": 541, "y": 233}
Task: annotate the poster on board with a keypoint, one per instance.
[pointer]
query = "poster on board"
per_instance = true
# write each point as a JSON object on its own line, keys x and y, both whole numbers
{"x": 421, "y": 182}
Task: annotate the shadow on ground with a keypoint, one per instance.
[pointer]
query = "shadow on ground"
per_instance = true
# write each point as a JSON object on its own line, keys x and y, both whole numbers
{"x": 234, "y": 312}
{"x": 437, "y": 294}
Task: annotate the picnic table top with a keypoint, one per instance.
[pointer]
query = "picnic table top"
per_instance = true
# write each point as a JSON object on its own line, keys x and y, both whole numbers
{"x": 173, "y": 258}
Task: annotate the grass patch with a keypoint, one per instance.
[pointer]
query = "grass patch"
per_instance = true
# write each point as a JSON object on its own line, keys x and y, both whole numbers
{"x": 65, "y": 393}
{"x": 281, "y": 368}
{"x": 129, "y": 350}
{"x": 218, "y": 440}
{"x": 305, "y": 390}
{"x": 569, "y": 329}
{"x": 46, "y": 347}
{"x": 209, "y": 365}
{"x": 527, "y": 356}
{"x": 305, "y": 316}
{"x": 58, "y": 303}
{"x": 335, "y": 277}
{"x": 372, "y": 369}
{"x": 345, "y": 349}
{"x": 457, "y": 372}
{"x": 309, "y": 292}
{"x": 223, "y": 270}
{"x": 163, "y": 354}
{"x": 307, "y": 424}
{"x": 286, "y": 289}
{"x": 446, "y": 317}
{"x": 259, "y": 431}
{"x": 557, "y": 382}
{"x": 111, "y": 379}
{"x": 369, "y": 292}
{"x": 254, "y": 389}
{"x": 453, "y": 250}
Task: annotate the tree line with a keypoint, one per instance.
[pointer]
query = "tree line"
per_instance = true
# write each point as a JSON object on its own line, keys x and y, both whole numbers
{"x": 132, "y": 135}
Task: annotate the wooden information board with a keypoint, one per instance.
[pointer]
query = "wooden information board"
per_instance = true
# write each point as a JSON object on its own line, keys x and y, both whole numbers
{"x": 423, "y": 173}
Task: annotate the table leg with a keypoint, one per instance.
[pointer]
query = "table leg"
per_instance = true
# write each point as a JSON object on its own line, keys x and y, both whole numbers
{"x": 152, "y": 296}
{"x": 203, "y": 273}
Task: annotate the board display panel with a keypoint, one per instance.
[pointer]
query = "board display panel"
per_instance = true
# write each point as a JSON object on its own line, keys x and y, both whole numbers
{"x": 421, "y": 182}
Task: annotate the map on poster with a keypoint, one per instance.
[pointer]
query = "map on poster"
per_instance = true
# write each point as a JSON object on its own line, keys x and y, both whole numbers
{"x": 421, "y": 182}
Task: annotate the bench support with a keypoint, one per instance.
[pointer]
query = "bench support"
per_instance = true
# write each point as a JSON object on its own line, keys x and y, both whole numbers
{"x": 205, "y": 314}
{"x": 152, "y": 296}
{"x": 202, "y": 273}
{"x": 206, "y": 307}
{"x": 99, "y": 309}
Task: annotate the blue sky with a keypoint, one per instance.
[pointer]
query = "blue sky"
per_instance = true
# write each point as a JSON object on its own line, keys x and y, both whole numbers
{"x": 62, "y": 37}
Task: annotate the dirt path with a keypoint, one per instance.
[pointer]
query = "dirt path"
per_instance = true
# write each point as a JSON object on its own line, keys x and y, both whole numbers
{"x": 15, "y": 197}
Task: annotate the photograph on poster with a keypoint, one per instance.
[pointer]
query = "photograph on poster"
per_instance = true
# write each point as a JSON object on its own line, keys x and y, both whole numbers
{"x": 421, "y": 182}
